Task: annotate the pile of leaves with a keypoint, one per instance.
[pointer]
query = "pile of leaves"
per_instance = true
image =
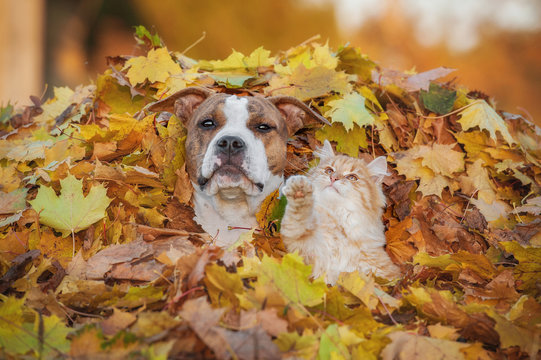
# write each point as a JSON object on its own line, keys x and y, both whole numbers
{"x": 100, "y": 257}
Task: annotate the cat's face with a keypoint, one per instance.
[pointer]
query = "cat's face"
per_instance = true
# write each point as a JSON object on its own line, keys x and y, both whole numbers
{"x": 342, "y": 175}
{"x": 349, "y": 181}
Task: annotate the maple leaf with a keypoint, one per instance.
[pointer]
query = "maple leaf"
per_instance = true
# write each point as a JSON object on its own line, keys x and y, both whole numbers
{"x": 432, "y": 165}
{"x": 440, "y": 158}
{"x": 71, "y": 211}
{"x": 156, "y": 66}
{"x": 350, "y": 110}
{"x": 347, "y": 142}
{"x": 291, "y": 277}
{"x": 438, "y": 99}
{"x": 477, "y": 182}
{"x": 481, "y": 114}
{"x": 306, "y": 83}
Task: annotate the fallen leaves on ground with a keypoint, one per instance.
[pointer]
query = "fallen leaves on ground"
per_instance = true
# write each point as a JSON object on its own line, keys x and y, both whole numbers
{"x": 463, "y": 220}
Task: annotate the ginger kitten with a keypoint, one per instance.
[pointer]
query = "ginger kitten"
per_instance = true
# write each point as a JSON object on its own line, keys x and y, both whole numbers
{"x": 333, "y": 216}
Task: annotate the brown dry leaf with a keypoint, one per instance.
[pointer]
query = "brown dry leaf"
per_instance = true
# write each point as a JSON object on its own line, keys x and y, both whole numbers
{"x": 12, "y": 244}
{"x": 407, "y": 346}
{"x": 180, "y": 217}
{"x": 183, "y": 186}
{"x": 120, "y": 320}
{"x": 399, "y": 247}
{"x": 104, "y": 151}
{"x": 204, "y": 320}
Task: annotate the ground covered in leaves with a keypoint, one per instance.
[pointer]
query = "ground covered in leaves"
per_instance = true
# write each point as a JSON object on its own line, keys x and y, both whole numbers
{"x": 91, "y": 172}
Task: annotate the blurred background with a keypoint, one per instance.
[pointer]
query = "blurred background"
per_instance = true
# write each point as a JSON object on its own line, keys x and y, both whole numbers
{"x": 494, "y": 44}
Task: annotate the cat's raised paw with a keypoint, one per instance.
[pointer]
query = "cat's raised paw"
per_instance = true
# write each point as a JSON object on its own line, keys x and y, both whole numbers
{"x": 297, "y": 187}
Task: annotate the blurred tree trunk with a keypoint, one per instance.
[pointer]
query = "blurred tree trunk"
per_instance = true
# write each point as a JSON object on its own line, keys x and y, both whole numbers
{"x": 21, "y": 55}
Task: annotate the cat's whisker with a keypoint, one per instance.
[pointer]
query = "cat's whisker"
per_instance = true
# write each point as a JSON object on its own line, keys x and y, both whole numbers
{"x": 299, "y": 169}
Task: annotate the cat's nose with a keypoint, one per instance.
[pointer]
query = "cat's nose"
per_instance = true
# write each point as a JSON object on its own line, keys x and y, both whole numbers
{"x": 333, "y": 179}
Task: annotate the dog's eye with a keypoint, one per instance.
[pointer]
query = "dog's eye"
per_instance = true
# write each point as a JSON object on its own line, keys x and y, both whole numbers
{"x": 263, "y": 128}
{"x": 352, "y": 177}
{"x": 207, "y": 123}
{"x": 329, "y": 170}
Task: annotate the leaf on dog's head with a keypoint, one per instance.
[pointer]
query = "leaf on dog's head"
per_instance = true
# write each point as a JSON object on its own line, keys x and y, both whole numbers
{"x": 350, "y": 110}
{"x": 156, "y": 66}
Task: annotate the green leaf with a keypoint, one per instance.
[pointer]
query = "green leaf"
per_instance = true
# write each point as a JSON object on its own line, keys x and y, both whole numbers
{"x": 142, "y": 34}
{"x": 19, "y": 337}
{"x": 350, "y": 110}
{"x": 71, "y": 211}
{"x": 347, "y": 142}
{"x": 438, "y": 99}
{"x": 291, "y": 277}
{"x": 331, "y": 346}
{"x": 5, "y": 113}
{"x": 232, "y": 81}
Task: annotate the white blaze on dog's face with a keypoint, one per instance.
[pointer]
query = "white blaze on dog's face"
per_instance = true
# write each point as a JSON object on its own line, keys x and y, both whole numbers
{"x": 236, "y": 146}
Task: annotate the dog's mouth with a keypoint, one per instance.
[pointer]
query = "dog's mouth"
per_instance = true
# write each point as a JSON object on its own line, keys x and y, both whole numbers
{"x": 228, "y": 176}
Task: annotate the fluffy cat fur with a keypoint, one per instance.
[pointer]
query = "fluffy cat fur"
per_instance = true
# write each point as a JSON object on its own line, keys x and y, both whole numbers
{"x": 333, "y": 216}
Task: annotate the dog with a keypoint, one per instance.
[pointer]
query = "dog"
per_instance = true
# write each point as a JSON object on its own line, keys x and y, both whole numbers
{"x": 235, "y": 153}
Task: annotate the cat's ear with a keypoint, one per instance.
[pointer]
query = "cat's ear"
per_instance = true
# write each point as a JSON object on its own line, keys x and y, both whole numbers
{"x": 325, "y": 151}
{"x": 378, "y": 168}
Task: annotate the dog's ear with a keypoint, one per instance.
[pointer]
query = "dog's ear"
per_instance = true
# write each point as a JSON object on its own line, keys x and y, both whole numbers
{"x": 295, "y": 111}
{"x": 183, "y": 102}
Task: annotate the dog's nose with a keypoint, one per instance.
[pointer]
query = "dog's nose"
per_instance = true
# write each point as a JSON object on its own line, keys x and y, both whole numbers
{"x": 231, "y": 144}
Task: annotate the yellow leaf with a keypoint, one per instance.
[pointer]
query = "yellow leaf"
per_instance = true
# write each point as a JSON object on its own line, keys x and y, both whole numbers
{"x": 306, "y": 83}
{"x": 322, "y": 57}
{"x": 291, "y": 278}
{"x": 350, "y": 110}
{"x": 234, "y": 61}
{"x": 55, "y": 106}
{"x": 71, "y": 211}
{"x": 477, "y": 182}
{"x": 156, "y": 66}
{"x": 441, "y": 159}
{"x": 429, "y": 183}
{"x": 485, "y": 117}
{"x": 347, "y": 142}
{"x": 117, "y": 97}
{"x": 259, "y": 57}
{"x": 361, "y": 286}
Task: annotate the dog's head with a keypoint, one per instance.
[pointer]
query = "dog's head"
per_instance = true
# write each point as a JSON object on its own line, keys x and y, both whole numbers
{"x": 235, "y": 145}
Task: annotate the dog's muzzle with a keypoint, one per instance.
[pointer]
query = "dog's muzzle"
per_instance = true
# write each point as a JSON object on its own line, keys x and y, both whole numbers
{"x": 230, "y": 152}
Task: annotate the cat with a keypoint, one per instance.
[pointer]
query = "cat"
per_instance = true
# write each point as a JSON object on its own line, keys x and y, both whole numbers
{"x": 333, "y": 216}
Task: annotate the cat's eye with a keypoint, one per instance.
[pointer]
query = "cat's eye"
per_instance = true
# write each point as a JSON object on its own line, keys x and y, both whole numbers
{"x": 352, "y": 177}
{"x": 207, "y": 124}
{"x": 329, "y": 170}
